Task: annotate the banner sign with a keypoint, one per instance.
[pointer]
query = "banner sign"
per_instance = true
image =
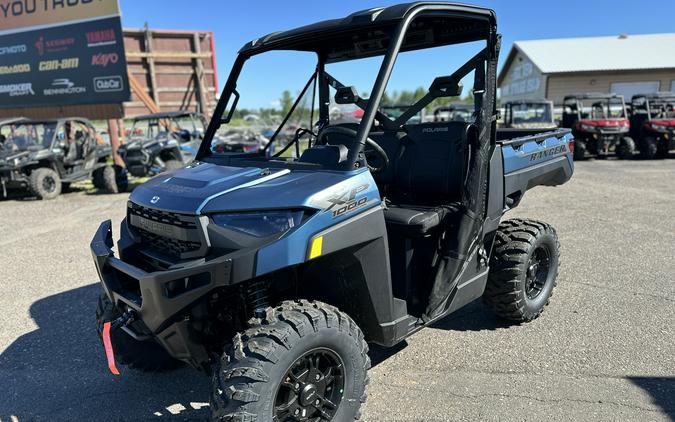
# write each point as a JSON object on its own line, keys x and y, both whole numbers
{"x": 61, "y": 52}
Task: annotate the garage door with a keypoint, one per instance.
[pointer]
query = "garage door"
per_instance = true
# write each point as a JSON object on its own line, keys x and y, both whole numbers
{"x": 628, "y": 89}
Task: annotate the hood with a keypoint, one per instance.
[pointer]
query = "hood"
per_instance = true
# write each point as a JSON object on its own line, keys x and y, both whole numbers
{"x": 604, "y": 122}
{"x": 202, "y": 188}
{"x": 663, "y": 122}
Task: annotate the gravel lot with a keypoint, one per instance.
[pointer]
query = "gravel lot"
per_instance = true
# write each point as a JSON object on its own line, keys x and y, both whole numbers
{"x": 603, "y": 350}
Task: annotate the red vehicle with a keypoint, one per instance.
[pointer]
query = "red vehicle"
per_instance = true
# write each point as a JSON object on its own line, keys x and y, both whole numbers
{"x": 600, "y": 125}
{"x": 652, "y": 123}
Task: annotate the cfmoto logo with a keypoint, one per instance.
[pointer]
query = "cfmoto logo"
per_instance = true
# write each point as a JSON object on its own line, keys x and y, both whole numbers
{"x": 154, "y": 200}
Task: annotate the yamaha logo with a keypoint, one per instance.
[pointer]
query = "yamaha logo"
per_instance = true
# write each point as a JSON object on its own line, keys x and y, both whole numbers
{"x": 154, "y": 199}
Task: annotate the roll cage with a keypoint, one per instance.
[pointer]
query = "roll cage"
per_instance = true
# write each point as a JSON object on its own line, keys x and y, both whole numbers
{"x": 378, "y": 32}
{"x": 654, "y": 105}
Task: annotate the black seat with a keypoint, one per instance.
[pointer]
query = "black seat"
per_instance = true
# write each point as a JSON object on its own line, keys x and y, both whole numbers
{"x": 428, "y": 176}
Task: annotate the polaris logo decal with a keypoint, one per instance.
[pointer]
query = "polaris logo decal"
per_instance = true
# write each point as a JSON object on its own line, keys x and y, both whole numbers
{"x": 560, "y": 149}
{"x": 154, "y": 200}
{"x": 434, "y": 129}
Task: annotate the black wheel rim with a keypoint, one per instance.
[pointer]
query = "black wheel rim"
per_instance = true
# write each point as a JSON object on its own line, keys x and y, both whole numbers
{"x": 312, "y": 388}
{"x": 537, "y": 272}
{"x": 49, "y": 184}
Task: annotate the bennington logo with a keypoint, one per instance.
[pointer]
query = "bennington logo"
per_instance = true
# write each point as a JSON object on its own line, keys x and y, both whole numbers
{"x": 102, "y": 59}
{"x": 64, "y": 86}
{"x": 17, "y": 90}
{"x": 101, "y": 38}
{"x": 108, "y": 83}
{"x": 13, "y": 49}
{"x": 434, "y": 129}
{"x": 548, "y": 152}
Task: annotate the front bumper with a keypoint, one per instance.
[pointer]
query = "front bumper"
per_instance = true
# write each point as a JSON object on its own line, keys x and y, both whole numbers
{"x": 163, "y": 311}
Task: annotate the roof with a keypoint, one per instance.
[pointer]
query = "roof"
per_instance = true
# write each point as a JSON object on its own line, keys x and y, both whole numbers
{"x": 592, "y": 54}
{"x": 593, "y": 96}
{"x": 366, "y": 23}
{"x": 165, "y": 115}
{"x": 656, "y": 95}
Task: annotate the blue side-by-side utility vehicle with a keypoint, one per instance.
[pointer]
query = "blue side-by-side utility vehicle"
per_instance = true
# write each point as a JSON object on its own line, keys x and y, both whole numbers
{"x": 273, "y": 274}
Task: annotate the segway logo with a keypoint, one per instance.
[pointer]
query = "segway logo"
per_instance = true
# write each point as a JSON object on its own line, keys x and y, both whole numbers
{"x": 346, "y": 201}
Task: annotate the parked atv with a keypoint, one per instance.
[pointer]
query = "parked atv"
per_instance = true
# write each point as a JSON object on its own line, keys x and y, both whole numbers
{"x": 162, "y": 141}
{"x": 529, "y": 114}
{"x": 44, "y": 156}
{"x": 652, "y": 123}
{"x": 273, "y": 274}
{"x": 453, "y": 113}
{"x": 599, "y": 123}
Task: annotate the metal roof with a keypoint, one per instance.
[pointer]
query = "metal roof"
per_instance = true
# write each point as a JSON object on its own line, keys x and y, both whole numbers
{"x": 592, "y": 54}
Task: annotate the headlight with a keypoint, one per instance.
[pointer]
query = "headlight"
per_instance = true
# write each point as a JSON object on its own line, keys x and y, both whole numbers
{"x": 588, "y": 128}
{"x": 259, "y": 224}
{"x": 660, "y": 128}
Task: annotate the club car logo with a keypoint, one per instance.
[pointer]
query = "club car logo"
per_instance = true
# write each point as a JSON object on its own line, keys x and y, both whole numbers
{"x": 346, "y": 201}
{"x": 12, "y": 49}
{"x": 103, "y": 59}
{"x": 108, "y": 84}
{"x": 64, "y": 86}
{"x": 101, "y": 38}
{"x": 17, "y": 90}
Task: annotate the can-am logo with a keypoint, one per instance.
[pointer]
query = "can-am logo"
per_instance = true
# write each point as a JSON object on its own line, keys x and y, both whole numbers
{"x": 108, "y": 83}
{"x": 64, "y": 86}
{"x": 17, "y": 90}
{"x": 100, "y": 38}
{"x": 102, "y": 59}
{"x": 13, "y": 49}
{"x": 54, "y": 45}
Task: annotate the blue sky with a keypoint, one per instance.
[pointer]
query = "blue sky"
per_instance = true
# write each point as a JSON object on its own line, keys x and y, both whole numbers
{"x": 236, "y": 22}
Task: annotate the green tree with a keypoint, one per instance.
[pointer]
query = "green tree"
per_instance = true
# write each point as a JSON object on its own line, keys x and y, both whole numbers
{"x": 286, "y": 102}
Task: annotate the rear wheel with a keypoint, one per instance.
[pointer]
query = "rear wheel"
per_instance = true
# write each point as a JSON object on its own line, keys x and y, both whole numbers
{"x": 523, "y": 269}
{"x": 626, "y": 148}
{"x": 146, "y": 356}
{"x": 45, "y": 183}
{"x": 303, "y": 361}
{"x": 111, "y": 179}
{"x": 648, "y": 147}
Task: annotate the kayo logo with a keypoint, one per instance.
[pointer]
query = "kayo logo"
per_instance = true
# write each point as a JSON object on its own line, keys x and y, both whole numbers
{"x": 102, "y": 59}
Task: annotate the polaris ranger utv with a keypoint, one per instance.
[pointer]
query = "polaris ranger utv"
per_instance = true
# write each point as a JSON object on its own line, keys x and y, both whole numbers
{"x": 162, "y": 141}
{"x": 529, "y": 114}
{"x": 273, "y": 274}
{"x": 46, "y": 156}
{"x": 599, "y": 129}
{"x": 652, "y": 123}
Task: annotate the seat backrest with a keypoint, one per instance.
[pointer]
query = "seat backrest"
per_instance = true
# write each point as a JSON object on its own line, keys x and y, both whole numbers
{"x": 432, "y": 162}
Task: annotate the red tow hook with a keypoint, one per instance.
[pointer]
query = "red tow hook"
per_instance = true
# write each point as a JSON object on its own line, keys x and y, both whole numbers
{"x": 108, "y": 326}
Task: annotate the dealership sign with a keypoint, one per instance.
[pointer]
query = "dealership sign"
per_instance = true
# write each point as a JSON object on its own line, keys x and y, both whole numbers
{"x": 61, "y": 52}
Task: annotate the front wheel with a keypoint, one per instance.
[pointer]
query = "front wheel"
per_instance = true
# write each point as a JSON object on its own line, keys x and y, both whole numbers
{"x": 45, "y": 183}
{"x": 626, "y": 148}
{"x": 523, "y": 269}
{"x": 648, "y": 148}
{"x": 303, "y": 361}
{"x": 579, "y": 150}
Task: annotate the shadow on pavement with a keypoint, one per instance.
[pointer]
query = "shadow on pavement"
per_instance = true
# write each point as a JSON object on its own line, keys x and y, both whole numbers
{"x": 58, "y": 373}
{"x": 473, "y": 317}
{"x": 662, "y": 391}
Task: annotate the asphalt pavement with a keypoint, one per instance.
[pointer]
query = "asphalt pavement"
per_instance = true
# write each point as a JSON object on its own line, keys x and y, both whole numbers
{"x": 604, "y": 349}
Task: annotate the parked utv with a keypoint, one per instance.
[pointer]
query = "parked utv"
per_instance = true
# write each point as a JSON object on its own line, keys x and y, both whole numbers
{"x": 599, "y": 123}
{"x": 393, "y": 112}
{"x": 453, "y": 113}
{"x": 529, "y": 114}
{"x": 652, "y": 123}
{"x": 43, "y": 156}
{"x": 273, "y": 274}
{"x": 162, "y": 141}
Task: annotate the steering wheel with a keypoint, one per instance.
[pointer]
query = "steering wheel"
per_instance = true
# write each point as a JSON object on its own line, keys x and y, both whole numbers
{"x": 377, "y": 149}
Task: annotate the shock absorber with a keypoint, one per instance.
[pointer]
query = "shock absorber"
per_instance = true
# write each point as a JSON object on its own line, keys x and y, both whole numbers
{"x": 257, "y": 296}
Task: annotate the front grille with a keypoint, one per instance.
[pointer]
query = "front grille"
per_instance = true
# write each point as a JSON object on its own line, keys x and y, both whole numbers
{"x": 167, "y": 245}
{"x": 170, "y": 234}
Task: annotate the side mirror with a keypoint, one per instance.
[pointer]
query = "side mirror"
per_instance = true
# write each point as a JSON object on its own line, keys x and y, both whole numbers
{"x": 446, "y": 86}
{"x": 346, "y": 95}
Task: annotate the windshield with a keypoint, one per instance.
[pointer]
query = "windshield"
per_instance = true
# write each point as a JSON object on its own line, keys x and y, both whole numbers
{"x": 659, "y": 107}
{"x": 531, "y": 113}
{"x": 24, "y": 136}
